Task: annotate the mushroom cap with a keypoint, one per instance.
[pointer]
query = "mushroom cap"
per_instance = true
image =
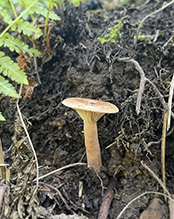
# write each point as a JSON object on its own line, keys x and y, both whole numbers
{"x": 90, "y": 105}
{"x": 90, "y": 110}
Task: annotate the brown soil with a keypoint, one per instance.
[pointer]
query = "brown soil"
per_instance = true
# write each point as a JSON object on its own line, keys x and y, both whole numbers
{"x": 80, "y": 66}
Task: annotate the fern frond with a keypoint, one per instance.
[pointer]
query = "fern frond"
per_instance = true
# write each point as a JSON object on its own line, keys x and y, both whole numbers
{"x": 7, "y": 88}
{"x": 39, "y": 9}
{"x": 27, "y": 28}
{"x": 11, "y": 69}
{"x": 14, "y": 44}
{"x": 54, "y": 16}
{"x": 5, "y": 15}
{"x": 1, "y": 117}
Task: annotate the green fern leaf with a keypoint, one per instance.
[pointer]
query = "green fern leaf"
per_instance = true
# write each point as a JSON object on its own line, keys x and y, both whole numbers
{"x": 11, "y": 69}
{"x": 39, "y": 9}
{"x": 14, "y": 44}
{"x": 5, "y": 15}
{"x": 1, "y": 117}
{"x": 7, "y": 88}
{"x": 54, "y": 16}
{"x": 27, "y": 28}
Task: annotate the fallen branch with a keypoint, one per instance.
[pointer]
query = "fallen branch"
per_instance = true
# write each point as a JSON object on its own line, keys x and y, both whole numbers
{"x": 104, "y": 209}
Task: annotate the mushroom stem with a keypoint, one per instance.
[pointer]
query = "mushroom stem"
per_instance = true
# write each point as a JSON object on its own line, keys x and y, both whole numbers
{"x": 92, "y": 146}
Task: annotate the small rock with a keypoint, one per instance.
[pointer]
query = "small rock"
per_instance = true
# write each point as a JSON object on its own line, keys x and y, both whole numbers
{"x": 156, "y": 210}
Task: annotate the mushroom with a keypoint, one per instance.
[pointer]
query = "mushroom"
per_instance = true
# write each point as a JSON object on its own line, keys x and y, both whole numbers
{"x": 91, "y": 111}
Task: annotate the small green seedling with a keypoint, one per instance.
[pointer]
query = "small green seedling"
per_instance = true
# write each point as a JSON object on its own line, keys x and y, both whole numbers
{"x": 113, "y": 35}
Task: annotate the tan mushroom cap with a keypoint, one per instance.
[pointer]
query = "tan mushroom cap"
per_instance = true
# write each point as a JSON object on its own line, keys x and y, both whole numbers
{"x": 90, "y": 110}
{"x": 90, "y": 105}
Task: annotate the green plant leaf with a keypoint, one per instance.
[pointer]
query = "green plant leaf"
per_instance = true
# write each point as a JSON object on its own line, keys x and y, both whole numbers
{"x": 27, "y": 28}
{"x": 39, "y": 9}
{"x": 7, "y": 88}
{"x": 113, "y": 35}
{"x": 1, "y": 117}
{"x": 11, "y": 69}
{"x": 5, "y": 15}
{"x": 54, "y": 16}
{"x": 14, "y": 44}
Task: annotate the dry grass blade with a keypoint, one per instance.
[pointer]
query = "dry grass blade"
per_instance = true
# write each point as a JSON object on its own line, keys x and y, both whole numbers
{"x": 163, "y": 142}
{"x": 29, "y": 139}
{"x": 62, "y": 168}
{"x": 170, "y": 103}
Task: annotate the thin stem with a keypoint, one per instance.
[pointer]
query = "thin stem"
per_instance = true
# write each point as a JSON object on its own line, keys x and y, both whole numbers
{"x": 13, "y": 8}
{"x": 47, "y": 17}
{"x": 35, "y": 59}
{"x": 32, "y": 17}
